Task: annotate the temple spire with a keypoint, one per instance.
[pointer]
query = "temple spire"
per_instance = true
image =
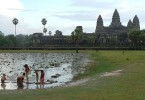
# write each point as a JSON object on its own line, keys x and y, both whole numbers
{"x": 115, "y": 19}
{"x": 136, "y": 23}
{"x": 99, "y": 25}
{"x": 129, "y": 25}
{"x": 100, "y": 21}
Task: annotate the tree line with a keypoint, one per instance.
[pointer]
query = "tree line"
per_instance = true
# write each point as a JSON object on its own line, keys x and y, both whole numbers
{"x": 136, "y": 39}
{"x": 15, "y": 41}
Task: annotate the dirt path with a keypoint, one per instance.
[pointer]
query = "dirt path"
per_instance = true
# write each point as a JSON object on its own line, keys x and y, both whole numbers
{"x": 106, "y": 74}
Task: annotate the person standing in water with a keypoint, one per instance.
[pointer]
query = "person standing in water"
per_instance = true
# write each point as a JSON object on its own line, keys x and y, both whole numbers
{"x": 3, "y": 78}
{"x": 27, "y": 71}
{"x": 37, "y": 75}
{"x": 42, "y": 78}
{"x": 20, "y": 80}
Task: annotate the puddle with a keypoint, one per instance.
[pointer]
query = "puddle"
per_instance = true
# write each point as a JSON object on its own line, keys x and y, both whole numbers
{"x": 59, "y": 68}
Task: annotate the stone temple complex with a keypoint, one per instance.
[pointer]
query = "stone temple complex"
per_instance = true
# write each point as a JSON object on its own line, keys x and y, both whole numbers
{"x": 114, "y": 34}
{"x": 115, "y": 31}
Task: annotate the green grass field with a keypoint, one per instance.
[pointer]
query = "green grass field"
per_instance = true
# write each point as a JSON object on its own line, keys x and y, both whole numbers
{"x": 130, "y": 85}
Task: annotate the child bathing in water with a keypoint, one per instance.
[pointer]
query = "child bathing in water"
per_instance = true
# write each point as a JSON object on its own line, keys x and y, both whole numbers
{"x": 20, "y": 80}
{"x": 3, "y": 78}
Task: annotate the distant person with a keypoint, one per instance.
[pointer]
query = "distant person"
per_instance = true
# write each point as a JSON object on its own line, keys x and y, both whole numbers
{"x": 37, "y": 75}
{"x": 42, "y": 78}
{"x": 3, "y": 78}
{"x": 27, "y": 71}
{"x": 20, "y": 80}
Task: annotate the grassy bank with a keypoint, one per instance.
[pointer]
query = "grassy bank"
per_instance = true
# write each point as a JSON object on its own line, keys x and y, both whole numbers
{"x": 130, "y": 85}
{"x": 36, "y": 51}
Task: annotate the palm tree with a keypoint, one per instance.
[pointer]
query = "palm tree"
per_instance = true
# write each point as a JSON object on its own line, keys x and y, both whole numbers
{"x": 44, "y": 22}
{"x": 45, "y": 30}
{"x": 15, "y": 22}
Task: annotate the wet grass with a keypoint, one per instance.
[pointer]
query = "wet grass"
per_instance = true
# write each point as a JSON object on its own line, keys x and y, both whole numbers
{"x": 36, "y": 51}
{"x": 130, "y": 85}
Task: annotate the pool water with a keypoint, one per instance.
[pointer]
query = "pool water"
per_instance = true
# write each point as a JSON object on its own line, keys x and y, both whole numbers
{"x": 59, "y": 68}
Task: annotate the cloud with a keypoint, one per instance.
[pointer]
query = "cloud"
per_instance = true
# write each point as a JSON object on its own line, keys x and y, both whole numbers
{"x": 10, "y": 9}
{"x": 5, "y": 4}
{"x": 77, "y": 17}
{"x": 101, "y": 4}
{"x": 22, "y": 10}
{"x": 7, "y": 27}
{"x": 90, "y": 10}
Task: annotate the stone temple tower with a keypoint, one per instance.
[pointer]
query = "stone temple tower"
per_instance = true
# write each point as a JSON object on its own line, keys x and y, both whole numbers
{"x": 136, "y": 23}
{"x": 100, "y": 21}
{"x": 133, "y": 25}
{"x": 115, "y": 19}
{"x": 115, "y": 31}
{"x": 129, "y": 25}
{"x": 99, "y": 25}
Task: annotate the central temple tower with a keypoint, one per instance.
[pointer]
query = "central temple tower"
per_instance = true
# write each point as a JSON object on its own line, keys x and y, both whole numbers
{"x": 115, "y": 19}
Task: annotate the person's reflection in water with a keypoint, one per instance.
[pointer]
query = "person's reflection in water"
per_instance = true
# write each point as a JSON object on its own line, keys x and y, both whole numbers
{"x": 27, "y": 84}
{"x": 37, "y": 86}
{"x": 3, "y": 85}
{"x": 20, "y": 88}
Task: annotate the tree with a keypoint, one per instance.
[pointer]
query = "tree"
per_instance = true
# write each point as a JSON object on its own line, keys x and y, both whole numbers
{"x": 15, "y": 22}
{"x": 44, "y": 22}
{"x": 137, "y": 37}
{"x": 91, "y": 39}
{"x": 23, "y": 40}
{"x": 6, "y": 41}
{"x": 78, "y": 33}
{"x": 11, "y": 39}
{"x": 45, "y": 30}
{"x": 73, "y": 37}
{"x": 68, "y": 40}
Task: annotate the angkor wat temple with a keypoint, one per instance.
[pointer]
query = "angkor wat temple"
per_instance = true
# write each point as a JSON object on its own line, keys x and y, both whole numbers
{"x": 115, "y": 33}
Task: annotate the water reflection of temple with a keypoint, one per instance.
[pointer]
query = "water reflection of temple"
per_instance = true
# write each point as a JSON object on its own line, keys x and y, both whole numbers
{"x": 104, "y": 35}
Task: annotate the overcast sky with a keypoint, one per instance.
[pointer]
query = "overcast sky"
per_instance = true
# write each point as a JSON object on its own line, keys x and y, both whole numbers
{"x": 65, "y": 15}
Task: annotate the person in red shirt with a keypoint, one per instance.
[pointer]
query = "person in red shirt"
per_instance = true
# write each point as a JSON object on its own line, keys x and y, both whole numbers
{"x": 27, "y": 71}
{"x": 42, "y": 78}
{"x": 20, "y": 80}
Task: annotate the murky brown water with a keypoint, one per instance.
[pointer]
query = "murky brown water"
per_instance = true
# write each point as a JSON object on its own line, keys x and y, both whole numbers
{"x": 66, "y": 65}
